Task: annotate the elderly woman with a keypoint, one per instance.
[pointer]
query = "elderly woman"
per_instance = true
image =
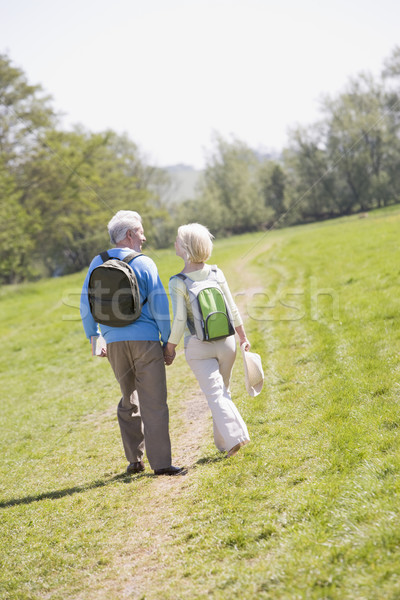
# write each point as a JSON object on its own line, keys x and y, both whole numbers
{"x": 210, "y": 361}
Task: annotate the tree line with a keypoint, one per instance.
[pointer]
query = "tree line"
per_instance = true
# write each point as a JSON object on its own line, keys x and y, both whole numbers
{"x": 58, "y": 188}
{"x": 347, "y": 162}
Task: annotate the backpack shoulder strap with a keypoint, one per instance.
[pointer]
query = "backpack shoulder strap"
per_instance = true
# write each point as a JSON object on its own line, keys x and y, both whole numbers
{"x": 131, "y": 256}
{"x": 213, "y": 272}
{"x": 180, "y": 275}
{"x": 128, "y": 259}
{"x": 104, "y": 256}
{"x": 186, "y": 280}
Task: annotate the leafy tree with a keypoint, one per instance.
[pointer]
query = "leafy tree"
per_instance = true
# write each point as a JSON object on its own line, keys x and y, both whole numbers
{"x": 25, "y": 112}
{"x": 61, "y": 188}
{"x": 391, "y": 66}
{"x": 74, "y": 183}
{"x": 357, "y": 140}
{"x": 162, "y": 228}
{"x": 204, "y": 209}
{"x": 312, "y": 186}
{"x": 16, "y": 243}
{"x": 391, "y": 78}
{"x": 348, "y": 161}
{"x": 273, "y": 182}
{"x": 231, "y": 195}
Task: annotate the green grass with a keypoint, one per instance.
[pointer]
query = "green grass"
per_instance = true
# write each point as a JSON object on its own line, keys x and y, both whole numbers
{"x": 309, "y": 509}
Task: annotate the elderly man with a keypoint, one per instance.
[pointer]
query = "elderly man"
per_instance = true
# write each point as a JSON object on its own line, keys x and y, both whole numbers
{"x": 135, "y": 353}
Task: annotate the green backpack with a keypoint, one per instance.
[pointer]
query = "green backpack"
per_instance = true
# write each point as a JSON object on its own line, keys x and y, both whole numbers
{"x": 211, "y": 314}
{"x": 114, "y": 297}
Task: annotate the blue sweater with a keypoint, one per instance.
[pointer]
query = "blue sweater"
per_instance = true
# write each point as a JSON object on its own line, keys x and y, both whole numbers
{"x": 154, "y": 321}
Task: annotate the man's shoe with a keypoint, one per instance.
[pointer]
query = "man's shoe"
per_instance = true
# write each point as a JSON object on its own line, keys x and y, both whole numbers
{"x": 170, "y": 471}
{"x": 135, "y": 467}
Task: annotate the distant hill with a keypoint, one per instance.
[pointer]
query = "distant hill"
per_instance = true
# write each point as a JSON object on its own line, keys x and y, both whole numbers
{"x": 184, "y": 182}
{"x": 185, "y": 179}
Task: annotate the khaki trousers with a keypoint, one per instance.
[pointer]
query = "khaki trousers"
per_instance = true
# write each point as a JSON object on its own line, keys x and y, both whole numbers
{"x": 143, "y": 411}
{"x": 212, "y": 363}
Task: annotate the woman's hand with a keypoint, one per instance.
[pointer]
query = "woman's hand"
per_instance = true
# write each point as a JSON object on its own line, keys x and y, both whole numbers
{"x": 243, "y": 338}
{"x": 246, "y": 342}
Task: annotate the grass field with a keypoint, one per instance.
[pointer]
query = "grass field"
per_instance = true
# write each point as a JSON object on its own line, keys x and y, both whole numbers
{"x": 309, "y": 509}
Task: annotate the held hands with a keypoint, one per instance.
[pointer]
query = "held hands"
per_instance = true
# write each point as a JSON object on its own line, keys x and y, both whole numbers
{"x": 169, "y": 353}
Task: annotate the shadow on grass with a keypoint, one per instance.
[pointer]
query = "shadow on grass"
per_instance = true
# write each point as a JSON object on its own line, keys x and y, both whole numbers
{"x": 210, "y": 459}
{"x": 73, "y": 490}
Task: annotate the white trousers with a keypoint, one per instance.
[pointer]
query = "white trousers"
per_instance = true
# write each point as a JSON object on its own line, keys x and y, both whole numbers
{"x": 212, "y": 364}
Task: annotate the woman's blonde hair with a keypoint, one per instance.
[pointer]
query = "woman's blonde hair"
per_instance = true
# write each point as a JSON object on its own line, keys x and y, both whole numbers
{"x": 196, "y": 241}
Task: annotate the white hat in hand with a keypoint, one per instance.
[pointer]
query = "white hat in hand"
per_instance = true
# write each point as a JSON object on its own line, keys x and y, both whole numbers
{"x": 253, "y": 372}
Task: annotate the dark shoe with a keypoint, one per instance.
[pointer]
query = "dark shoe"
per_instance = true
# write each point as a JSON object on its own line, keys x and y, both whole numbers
{"x": 170, "y": 471}
{"x": 135, "y": 467}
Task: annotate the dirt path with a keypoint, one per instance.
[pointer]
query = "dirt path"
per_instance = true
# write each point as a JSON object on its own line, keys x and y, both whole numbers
{"x": 166, "y": 492}
{"x": 143, "y": 556}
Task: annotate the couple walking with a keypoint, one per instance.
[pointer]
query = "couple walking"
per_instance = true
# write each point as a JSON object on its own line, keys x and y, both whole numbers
{"x": 138, "y": 352}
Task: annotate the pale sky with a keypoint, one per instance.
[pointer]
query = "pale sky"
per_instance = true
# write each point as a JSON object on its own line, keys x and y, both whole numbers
{"x": 169, "y": 73}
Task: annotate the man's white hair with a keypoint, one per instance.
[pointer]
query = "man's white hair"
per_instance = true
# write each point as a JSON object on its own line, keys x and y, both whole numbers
{"x": 121, "y": 223}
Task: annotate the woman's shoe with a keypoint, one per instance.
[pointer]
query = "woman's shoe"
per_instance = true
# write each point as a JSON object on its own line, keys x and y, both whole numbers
{"x": 236, "y": 448}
